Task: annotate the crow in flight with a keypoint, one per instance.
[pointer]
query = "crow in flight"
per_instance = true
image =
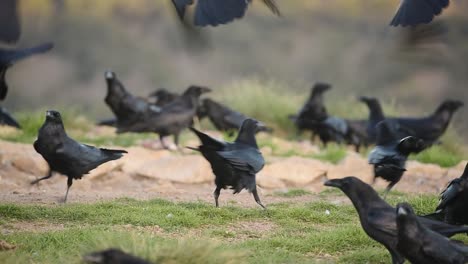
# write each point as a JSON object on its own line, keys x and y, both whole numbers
{"x": 216, "y": 12}
{"x": 415, "y": 12}
{"x": 234, "y": 164}
{"x": 65, "y": 155}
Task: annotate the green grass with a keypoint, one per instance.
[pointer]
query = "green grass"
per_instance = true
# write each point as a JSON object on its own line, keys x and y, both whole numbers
{"x": 196, "y": 232}
{"x": 293, "y": 193}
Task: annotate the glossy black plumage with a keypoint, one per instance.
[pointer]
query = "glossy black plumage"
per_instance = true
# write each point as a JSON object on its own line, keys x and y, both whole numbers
{"x": 9, "y": 56}
{"x": 432, "y": 127}
{"x": 215, "y": 12}
{"x": 375, "y": 116}
{"x": 10, "y": 29}
{"x": 420, "y": 245}
{"x": 223, "y": 117}
{"x": 390, "y": 153}
{"x": 162, "y": 97}
{"x": 6, "y": 119}
{"x": 127, "y": 108}
{"x": 65, "y": 155}
{"x": 172, "y": 118}
{"x": 234, "y": 164}
{"x": 453, "y": 203}
{"x": 378, "y": 218}
{"x": 112, "y": 256}
{"x": 414, "y": 12}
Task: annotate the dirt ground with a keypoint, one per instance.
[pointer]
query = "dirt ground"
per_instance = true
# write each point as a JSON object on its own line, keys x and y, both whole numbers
{"x": 149, "y": 174}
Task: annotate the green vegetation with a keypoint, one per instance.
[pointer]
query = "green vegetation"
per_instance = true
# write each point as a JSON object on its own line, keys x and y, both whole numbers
{"x": 293, "y": 193}
{"x": 198, "y": 232}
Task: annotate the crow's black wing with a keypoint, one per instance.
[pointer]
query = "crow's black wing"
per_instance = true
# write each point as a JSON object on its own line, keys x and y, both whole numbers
{"x": 249, "y": 160}
{"x": 8, "y": 56}
{"x": 181, "y": 6}
{"x": 215, "y": 12}
{"x": 9, "y": 23}
{"x": 449, "y": 194}
{"x": 413, "y": 12}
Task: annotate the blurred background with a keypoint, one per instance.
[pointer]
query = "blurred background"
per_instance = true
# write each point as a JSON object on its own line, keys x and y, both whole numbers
{"x": 262, "y": 65}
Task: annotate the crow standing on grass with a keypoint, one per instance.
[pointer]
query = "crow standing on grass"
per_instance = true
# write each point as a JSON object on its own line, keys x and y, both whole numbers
{"x": 390, "y": 153}
{"x": 173, "y": 117}
{"x": 378, "y": 218}
{"x": 126, "y": 107}
{"x": 223, "y": 117}
{"x": 432, "y": 127}
{"x": 216, "y": 12}
{"x": 65, "y": 155}
{"x": 453, "y": 202}
{"x": 112, "y": 256}
{"x": 420, "y": 245}
{"x": 414, "y": 12}
{"x": 234, "y": 164}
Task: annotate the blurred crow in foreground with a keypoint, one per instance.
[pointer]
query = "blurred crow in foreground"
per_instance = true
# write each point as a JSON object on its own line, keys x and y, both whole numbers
{"x": 9, "y": 56}
{"x": 172, "y": 118}
{"x": 216, "y": 12}
{"x": 420, "y": 245}
{"x": 7, "y": 120}
{"x": 126, "y": 107}
{"x": 432, "y": 127}
{"x": 112, "y": 256}
{"x": 378, "y": 218}
{"x": 224, "y": 118}
{"x": 10, "y": 29}
{"x": 162, "y": 97}
{"x": 390, "y": 154}
{"x": 414, "y": 12}
{"x": 65, "y": 155}
{"x": 453, "y": 202}
{"x": 234, "y": 164}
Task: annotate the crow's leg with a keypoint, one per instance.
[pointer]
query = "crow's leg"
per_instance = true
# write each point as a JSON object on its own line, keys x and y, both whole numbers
{"x": 176, "y": 140}
{"x": 49, "y": 174}
{"x": 216, "y": 194}
{"x": 257, "y": 198}
{"x": 389, "y": 187}
{"x": 69, "y": 184}
{"x": 161, "y": 138}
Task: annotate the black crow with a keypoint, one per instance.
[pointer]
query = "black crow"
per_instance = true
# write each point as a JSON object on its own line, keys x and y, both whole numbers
{"x": 223, "y": 117}
{"x": 390, "y": 153}
{"x": 414, "y": 12}
{"x": 10, "y": 29}
{"x": 65, "y": 155}
{"x": 375, "y": 116}
{"x": 378, "y": 218}
{"x": 453, "y": 202}
{"x": 172, "y": 118}
{"x": 126, "y": 107}
{"x": 313, "y": 109}
{"x": 432, "y": 127}
{"x": 216, "y": 12}
{"x": 234, "y": 164}
{"x": 7, "y": 120}
{"x": 162, "y": 97}
{"x": 112, "y": 256}
{"x": 420, "y": 245}
{"x": 9, "y": 56}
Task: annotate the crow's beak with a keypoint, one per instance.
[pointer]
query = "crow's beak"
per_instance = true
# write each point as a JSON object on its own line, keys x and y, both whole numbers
{"x": 49, "y": 114}
{"x": 364, "y": 99}
{"x": 401, "y": 211}
{"x": 109, "y": 75}
{"x": 333, "y": 183}
{"x": 205, "y": 90}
